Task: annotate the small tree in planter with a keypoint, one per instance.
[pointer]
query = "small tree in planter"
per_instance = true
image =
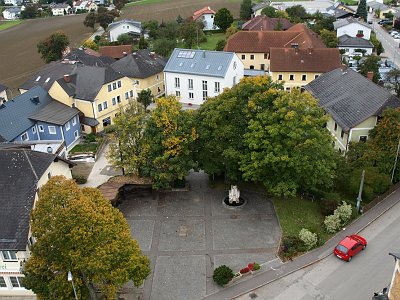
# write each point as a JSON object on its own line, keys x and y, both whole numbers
{"x": 222, "y": 275}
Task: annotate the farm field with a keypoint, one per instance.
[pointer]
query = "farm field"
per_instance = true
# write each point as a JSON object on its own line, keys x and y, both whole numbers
{"x": 168, "y": 10}
{"x": 19, "y": 58}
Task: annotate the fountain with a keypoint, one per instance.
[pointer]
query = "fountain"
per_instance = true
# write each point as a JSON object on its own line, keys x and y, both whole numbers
{"x": 234, "y": 199}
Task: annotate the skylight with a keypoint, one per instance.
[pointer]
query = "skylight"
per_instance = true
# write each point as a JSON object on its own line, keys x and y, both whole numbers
{"x": 207, "y": 67}
{"x": 38, "y": 78}
{"x": 181, "y": 64}
{"x": 186, "y": 54}
{"x": 219, "y": 68}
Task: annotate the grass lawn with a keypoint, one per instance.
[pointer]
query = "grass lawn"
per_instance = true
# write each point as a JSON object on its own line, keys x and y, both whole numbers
{"x": 209, "y": 45}
{"x": 85, "y": 147}
{"x": 144, "y": 2}
{"x": 349, "y": 2}
{"x": 295, "y": 214}
{"x": 8, "y": 24}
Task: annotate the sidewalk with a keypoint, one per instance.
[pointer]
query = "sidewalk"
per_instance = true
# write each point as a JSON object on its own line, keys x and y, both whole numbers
{"x": 271, "y": 275}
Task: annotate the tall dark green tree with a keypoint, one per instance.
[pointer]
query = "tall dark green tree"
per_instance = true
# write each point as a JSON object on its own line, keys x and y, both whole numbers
{"x": 269, "y": 11}
{"x": 145, "y": 98}
{"x": 164, "y": 47}
{"x": 90, "y": 20}
{"x": 245, "y": 9}
{"x": 223, "y": 19}
{"x": 52, "y": 48}
{"x": 362, "y": 10}
{"x": 329, "y": 38}
{"x": 191, "y": 32}
{"x": 104, "y": 19}
{"x": 297, "y": 13}
{"x": 370, "y": 64}
{"x": 392, "y": 79}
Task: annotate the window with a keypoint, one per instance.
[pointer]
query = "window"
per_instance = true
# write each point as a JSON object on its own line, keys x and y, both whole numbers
{"x": 118, "y": 99}
{"x": 119, "y": 83}
{"x": 74, "y": 121}
{"x": 177, "y": 82}
{"x": 127, "y": 95}
{"x": 363, "y": 138}
{"x": 191, "y": 96}
{"x": 288, "y": 89}
{"x": 52, "y": 130}
{"x": 158, "y": 90}
{"x": 291, "y": 77}
{"x": 76, "y": 134}
{"x": 113, "y": 101}
{"x": 280, "y": 77}
{"x": 109, "y": 88}
{"x": 105, "y": 105}
{"x": 335, "y": 127}
{"x": 49, "y": 175}
{"x": 316, "y": 76}
{"x": 41, "y": 128}
{"x": 190, "y": 83}
{"x": 178, "y": 93}
{"x": 2, "y": 282}
{"x": 234, "y": 80}
{"x": 360, "y": 32}
{"x": 34, "y": 130}
{"x": 251, "y": 56}
{"x": 99, "y": 107}
{"x": 9, "y": 255}
{"x": 204, "y": 85}
{"x": 158, "y": 77}
{"x": 234, "y": 65}
{"x": 217, "y": 87}
{"x": 24, "y": 136}
{"x": 131, "y": 93}
{"x": 67, "y": 126}
{"x": 265, "y": 55}
{"x": 342, "y": 133}
{"x": 16, "y": 282}
{"x": 204, "y": 95}
{"x": 262, "y": 67}
{"x": 243, "y": 56}
{"x": 114, "y": 85}
{"x": 251, "y": 67}
{"x": 304, "y": 77}
{"x": 106, "y": 122}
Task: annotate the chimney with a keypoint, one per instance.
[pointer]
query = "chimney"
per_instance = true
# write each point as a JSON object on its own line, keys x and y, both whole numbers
{"x": 124, "y": 53}
{"x": 67, "y": 78}
{"x": 370, "y": 75}
{"x": 310, "y": 50}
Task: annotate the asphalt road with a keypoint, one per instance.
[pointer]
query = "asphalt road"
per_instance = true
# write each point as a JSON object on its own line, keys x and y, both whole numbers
{"x": 334, "y": 279}
{"x": 391, "y": 46}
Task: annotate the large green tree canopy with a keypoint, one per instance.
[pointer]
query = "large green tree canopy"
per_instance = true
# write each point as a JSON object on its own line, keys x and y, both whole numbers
{"x": 52, "y": 48}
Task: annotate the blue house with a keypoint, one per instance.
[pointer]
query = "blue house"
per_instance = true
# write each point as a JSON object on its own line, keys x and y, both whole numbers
{"x": 35, "y": 116}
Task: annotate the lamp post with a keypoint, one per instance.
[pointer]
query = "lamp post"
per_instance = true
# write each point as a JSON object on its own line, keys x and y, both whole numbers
{"x": 73, "y": 286}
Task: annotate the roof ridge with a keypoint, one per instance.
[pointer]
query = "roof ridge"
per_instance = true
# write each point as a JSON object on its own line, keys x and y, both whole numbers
{"x": 30, "y": 164}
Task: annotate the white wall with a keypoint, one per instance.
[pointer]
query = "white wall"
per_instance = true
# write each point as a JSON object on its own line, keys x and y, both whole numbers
{"x": 9, "y": 16}
{"x": 197, "y": 90}
{"x": 208, "y": 20}
{"x": 121, "y": 29}
{"x": 58, "y": 11}
{"x": 352, "y": 50}
{"x": 3, "y": 94}
{"x": 352, "y": 30}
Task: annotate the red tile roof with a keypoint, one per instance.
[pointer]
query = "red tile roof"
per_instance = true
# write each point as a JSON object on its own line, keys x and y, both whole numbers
{"x": 204, "y": 10}
{"x": 262, "y": 41}
{"x": 265, "y": 23}
{"x": 304, "y": 60}
{"x": 116, "y": 51}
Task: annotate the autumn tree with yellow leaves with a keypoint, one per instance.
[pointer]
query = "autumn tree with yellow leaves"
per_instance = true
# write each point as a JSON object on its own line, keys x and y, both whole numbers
{"x": 78, "y": 230}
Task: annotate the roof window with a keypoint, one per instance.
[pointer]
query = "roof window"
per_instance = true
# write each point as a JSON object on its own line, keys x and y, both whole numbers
{"x": 38, "y": 78}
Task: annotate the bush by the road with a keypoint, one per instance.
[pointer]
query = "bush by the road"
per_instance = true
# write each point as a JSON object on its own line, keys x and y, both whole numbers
{"x": 222, "y": 275}
{"x": 309, "y": 239}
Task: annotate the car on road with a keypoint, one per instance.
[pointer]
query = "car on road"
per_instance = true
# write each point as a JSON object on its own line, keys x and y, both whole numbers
{"x": 396, "y": 36}
{"x": 385, "y": 22}
{"x": 350, "y": 246}
{"x": 394, "y": 32}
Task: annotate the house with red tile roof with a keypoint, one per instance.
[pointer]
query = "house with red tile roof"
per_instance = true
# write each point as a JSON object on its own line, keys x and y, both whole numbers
{"x": 116, "y": 52}
{"x": 205, "y": 15}
{"x": 264, "y": 23}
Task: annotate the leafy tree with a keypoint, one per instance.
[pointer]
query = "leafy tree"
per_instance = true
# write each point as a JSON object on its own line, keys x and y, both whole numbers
{"x": 278, "y": 26}
{"x": 362, "y": 10}
{"x": 179, "y": 19}
{"x": 124, "y": 39}
{"x": 329, "y": 38}
{"x": 168, "y": 31}
{"x": 164, "y": 47}
{"x": 269, "y": 11}
{"x": 397, "y": 24}
{"x": 223, "y": 19}
{"x": 377, "y": 44}
{"x": 90, "y": 20}
{"x": 370, "y": 64}
{"x": 104, "y": 19}
{"x": 323, "y": 23}
{"x": 170, "y": 134}
{"x": 129, "y": 149}
{"x": 297, "y": 13}
{"x": 51, "y": 48}
{"x": 231, "y": 31}
{"x": 222, "y": 275}
{"x": 30, "y": 12}
{"x": 78, "y": 230}
{"x": 393, "y": 81}
{"x": 245, "y": 9}
{"x": 220, "y": 45}
{"x": 191, "y": 32}
{"x": 143, "y": 43}
{"x": 281, "y": 14}
{"x": 152, "y": 27}
{"x": 289, "y": 146}
{"x": 145, "y": 98}
{"x": 91, "y": 45}
{"x": 379, "y": 49}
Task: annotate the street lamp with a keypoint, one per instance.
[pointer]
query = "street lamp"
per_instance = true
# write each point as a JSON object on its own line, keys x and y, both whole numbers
{"x": 73, "y": 286}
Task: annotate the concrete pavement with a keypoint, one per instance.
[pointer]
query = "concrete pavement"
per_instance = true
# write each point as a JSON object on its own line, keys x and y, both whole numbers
{"x": 391, "y": 46}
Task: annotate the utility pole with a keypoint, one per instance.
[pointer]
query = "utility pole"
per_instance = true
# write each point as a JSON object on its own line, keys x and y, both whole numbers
{"x": 359, "y": 199}
{"x": 395, "y": 162}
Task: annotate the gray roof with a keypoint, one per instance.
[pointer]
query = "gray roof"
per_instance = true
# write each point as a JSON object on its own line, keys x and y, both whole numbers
{"x": 84, "y": 57}
{"x": 55, "y": 113}
{"x": 89, "y": 121}
{"x": 348, "y": 41}
{"x": 199, "y": 62}
{"x": 343, "y": 22}
{"x": 125, "y": 21}
{"x": 21, "y": 171}
{"x": 377, "y": 5}
{"x": 59, "y": 5}
{"x": 141, "y": 64}
{"x": 3, "y": 87}
{"x": 14, "y": 114}
{"x": 349, "y": 97}
{"x": 13, "y": 10}
{"x": 260, "y": 6}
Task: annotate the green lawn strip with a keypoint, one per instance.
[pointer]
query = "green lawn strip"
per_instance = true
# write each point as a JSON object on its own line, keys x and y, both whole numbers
{"x": 144, "y": 2}
{"x": 212, "y": 41}
{"x": 296, "y": 213}
{"x": 349, "y": 2}
{"x": 85, "y": 147}
{"x": 7, "y": 24}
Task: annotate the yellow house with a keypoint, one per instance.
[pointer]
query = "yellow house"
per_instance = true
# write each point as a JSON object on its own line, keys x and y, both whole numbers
{"x": 297, "y": 67}
{"x": 23, "y": 173}
{"x": 353, "y": 102}
{"x": 98, "y": 92}
{"x": 145, "y": 68}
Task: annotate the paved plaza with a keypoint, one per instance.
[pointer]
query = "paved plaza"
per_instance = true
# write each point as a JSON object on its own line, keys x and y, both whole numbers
{"x": 187, "y": 234}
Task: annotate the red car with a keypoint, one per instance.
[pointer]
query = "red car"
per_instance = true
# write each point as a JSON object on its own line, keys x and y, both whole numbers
{"x": 350, "y": 246}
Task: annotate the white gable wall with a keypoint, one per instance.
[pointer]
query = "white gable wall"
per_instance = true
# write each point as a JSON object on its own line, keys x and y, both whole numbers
{"x": 122, "y": 28}
{"x": 208, "y": 20}
{"x": 352, "y": 30}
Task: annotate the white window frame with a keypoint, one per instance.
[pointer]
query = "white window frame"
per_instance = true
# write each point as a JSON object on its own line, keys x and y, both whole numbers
{"x": 126, "y": 95}
{"x": 114, "y": 85}
{"x": 366, "y": 137}
{"x": 74, "y": 121}
{"x": 34, "y": 129}
{"x": 177, "y": 93}
{"x": 113, "y": 101}
{"x": 191, "y": 95}
{"x": 52, "y": 129}
{"x": 205, "y": 95}
{"x": 25, "y": 134}
{"x": 217, "y": 87}
{"x": 20, "y": 286}
{"x": 4, "y": 282}
{"x": 177, "y": 82}
{"x": 67, "y": 126}
{"x": 110, "y": 87}
{"x": 131, "y": 93}
{"x": 8, "y": 255}
{"x": 119, "y": 83}
{"x": 76, "y": 134}
{"x": 41, "y": 128}
{"x": 190, "y": 84}
{"x": 105, "y": 105}
{"x": 118, "y": 99}
{"x": 292, "y": 77}
{"x": 304, "y": 77}
{"x": 204, "y": 85}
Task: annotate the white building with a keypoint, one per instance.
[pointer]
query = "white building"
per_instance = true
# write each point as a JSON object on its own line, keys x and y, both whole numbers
{"x": 3, "y": 94}
{"x": 12, "y": 2}
{"x": 12, "y": 13}
{"x": 354, "y": 44}
{"x": 195, "y": 75}
{"x": 133, "y": 28}
{"x": 205, "y": 15}
{"x": 17, "y": 198}
{"x": 353, "y": 28}
{"x": 60, "y": 9}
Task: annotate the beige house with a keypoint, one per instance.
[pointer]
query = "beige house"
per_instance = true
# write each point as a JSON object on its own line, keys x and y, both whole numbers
{"x": 18, "y": 197}
{"x": 297, "y": 67}
{"x": 353, "y": 102}
{"x": 254, "y": 47}
{"x": 145, "y": 68}
{"x": 98, "y": 92}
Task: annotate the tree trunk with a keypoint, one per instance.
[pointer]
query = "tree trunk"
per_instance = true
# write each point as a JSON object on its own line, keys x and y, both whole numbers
{"x": 90, "y": 287}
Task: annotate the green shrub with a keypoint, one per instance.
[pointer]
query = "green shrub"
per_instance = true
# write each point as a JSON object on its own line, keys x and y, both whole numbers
{"x": 79, "y": 179}
{"x": 222, "y": 275}
{"x": 332, "y": 223}
{"x": 309, "y": 239}
{"x": 328, "y": 206}
{"x": 344, "y": 212}
{"x": 256, "y": 267}
{"x": 90, "y": 138}
{"x": 291, "y": 245}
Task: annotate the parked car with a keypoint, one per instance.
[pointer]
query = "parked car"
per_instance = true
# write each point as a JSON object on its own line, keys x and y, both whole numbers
{"x": 396, "y": 37}
{"x": 394, "y": 32}
{"x": 385, "y": 21}
{"x": 350, "y": 246}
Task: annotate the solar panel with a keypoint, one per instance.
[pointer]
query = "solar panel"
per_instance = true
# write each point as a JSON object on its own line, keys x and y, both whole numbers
{"x": 186, "y": 54}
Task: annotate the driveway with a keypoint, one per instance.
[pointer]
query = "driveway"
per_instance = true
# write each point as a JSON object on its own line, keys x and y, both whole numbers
{"x": 187, "y": 234}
